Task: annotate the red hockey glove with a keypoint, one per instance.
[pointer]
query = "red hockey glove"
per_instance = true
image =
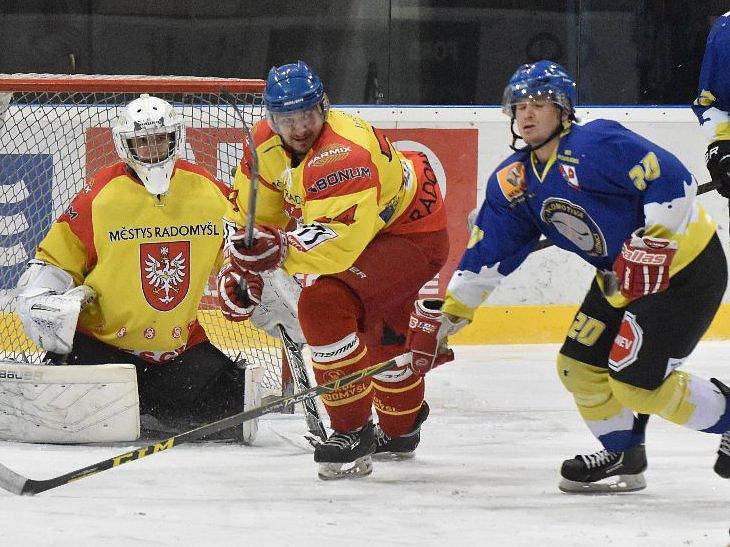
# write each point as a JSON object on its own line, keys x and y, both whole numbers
{"x": 642, "y": 266}
{"x": 239, "y": 292}
{"x": 428, "y": 329}
{"x": 267, "y": 251}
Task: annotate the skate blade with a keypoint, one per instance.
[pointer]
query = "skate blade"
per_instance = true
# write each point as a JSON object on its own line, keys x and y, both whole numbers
{"x": 619, "y": 484}
{"x": 361, "y": 467}
{"x": 393, "y": 456}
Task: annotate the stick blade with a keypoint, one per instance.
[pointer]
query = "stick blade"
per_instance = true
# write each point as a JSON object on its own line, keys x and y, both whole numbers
{"x": 12, "y": 481}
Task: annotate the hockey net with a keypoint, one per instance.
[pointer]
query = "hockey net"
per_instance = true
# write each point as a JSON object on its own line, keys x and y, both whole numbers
{"x": 55, "y": 133}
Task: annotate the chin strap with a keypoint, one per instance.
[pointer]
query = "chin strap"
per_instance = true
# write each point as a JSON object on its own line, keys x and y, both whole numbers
{"x": 529, "y": 148}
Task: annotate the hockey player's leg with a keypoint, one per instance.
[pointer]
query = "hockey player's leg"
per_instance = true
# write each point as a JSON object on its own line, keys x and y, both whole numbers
{"x": 392, "y": 286}
{"x": 398, "y": 400}
{"x": 200, "y": 386}
{"x": 722, "y": 464}
{"x": 620, "y": 465}
{"x": 690, "y": 401}
{"x": 402, "y": 446}
{"x": 328, "y": 313}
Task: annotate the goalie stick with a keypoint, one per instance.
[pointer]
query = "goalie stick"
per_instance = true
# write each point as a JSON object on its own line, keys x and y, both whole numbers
{"x": 299, "y": 374}
{"x": 18, "y": 484}
{"x": 701, "y": 189}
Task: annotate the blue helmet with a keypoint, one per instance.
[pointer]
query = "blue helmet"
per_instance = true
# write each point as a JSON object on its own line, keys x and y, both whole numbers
{"x": 543, "y": 79}
{"x": 292, "y": 87}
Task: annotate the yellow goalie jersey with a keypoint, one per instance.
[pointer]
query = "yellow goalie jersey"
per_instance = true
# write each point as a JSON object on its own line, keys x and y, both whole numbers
{"x": 351, "y": 185}
{"x": 148, "y": 258}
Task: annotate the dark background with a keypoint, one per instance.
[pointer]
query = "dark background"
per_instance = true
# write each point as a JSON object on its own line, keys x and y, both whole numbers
{"x": 368, "y": 51}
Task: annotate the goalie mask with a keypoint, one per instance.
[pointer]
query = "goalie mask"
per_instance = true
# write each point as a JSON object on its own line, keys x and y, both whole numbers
{"x": 148, "y": 137}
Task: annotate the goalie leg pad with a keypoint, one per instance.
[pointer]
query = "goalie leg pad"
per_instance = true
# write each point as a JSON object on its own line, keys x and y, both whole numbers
{"x": 68, "y": 404}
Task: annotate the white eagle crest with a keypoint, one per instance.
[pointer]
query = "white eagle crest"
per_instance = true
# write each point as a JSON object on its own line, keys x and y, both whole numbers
{"x": 165, "y": 276}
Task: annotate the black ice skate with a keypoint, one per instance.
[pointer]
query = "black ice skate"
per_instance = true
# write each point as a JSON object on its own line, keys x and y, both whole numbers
{"x": 401, "y": 447}
{"x": 587, "y": 474}
{"x": 722, "y": 464}
{"x": 346, "y": 455}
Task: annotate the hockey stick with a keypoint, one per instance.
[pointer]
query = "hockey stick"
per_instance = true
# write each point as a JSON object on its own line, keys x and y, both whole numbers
{"x": 301, "y": 379}
{"x": 701, "y": 189}
{"x": 18, "y": 484}
{"x": 254, "y": 166}
{"x": 292, "y": 350}
{"x": 253, "y": 187}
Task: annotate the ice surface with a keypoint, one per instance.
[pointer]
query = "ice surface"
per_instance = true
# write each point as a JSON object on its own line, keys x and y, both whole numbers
{"x": 486, "y": 473}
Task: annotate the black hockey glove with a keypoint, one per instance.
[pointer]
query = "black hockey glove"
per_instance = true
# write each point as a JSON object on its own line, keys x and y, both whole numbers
{"x": 717, "y": 159}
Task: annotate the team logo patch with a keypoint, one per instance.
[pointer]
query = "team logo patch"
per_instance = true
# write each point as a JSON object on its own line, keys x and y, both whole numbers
{"x": 309, "y": 236}
{"x": 165, "y": 272}
{"x": 570, "y": 174}
{"x": 329, "y": 154}
{"x": 627, "y": 344}
{"x": 575, "y": 224}
{"x": 339, "y": 176}
{"x": 512, "y": 181}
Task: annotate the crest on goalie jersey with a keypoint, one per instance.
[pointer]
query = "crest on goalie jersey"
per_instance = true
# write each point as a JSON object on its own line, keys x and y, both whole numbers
{"x": 165, "y": 272}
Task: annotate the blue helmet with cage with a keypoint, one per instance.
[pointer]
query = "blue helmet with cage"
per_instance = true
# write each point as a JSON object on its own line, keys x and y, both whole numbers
{"x": 540, "y": 80}
{"x": 292, "y": 87}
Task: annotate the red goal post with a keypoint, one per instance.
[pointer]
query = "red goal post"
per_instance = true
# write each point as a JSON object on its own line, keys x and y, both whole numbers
{"x": 55, "y": 133}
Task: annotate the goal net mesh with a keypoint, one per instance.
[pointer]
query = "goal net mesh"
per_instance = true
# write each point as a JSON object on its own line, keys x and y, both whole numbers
{"x": 55, "y": 133}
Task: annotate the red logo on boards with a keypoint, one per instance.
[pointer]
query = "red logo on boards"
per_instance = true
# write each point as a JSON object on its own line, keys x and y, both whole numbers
{"x": 165, "y": 272}
{"x": 627, "y": 344}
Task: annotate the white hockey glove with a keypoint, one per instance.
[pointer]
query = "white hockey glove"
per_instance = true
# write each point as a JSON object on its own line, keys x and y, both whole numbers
{"x": 428, "y": 330}
{"x": 49, "y": 306}
{"x": 279, "y": 306}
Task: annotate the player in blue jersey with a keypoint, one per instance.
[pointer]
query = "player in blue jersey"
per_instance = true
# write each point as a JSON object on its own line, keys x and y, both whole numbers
{"x": 712, "y": 107}
{"x": 628, "y": 207}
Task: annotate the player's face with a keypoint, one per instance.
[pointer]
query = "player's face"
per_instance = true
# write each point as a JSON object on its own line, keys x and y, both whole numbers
{"x": 299, "y": 130}
{"x": 152, "y": 148}
{"x": 537, "y": 120}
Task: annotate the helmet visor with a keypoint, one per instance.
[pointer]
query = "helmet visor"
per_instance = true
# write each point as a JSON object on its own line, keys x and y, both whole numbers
{"x": 288, "y": 121}
{"x": 152, "y": 146}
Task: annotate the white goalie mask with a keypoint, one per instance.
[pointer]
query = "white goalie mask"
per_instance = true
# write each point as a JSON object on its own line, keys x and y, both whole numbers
{"x": 148, "y": 136}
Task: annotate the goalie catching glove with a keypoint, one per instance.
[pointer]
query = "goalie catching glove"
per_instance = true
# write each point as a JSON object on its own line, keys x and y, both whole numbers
{"x": 428, "y": 330}
{"x": 239, "y": 292}
{"x": 267, "y": 251}
{"x": 642, "y": 266}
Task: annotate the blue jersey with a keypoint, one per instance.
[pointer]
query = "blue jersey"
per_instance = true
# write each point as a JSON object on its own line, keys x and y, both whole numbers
{"x": 712, "y": 105}
{"x": 602, "y": 183}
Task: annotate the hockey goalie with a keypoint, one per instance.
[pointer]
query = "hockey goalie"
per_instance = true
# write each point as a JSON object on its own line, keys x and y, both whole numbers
{"x": 112, "y": 295}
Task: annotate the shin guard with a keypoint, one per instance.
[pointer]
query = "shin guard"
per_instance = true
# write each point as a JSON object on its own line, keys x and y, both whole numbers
{"x": 398, "y": 398}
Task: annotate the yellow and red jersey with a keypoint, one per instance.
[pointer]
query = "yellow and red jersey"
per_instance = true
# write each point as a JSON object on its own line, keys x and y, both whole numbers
{"x": 351, "y": 185}
{"x": 148, "y": 258}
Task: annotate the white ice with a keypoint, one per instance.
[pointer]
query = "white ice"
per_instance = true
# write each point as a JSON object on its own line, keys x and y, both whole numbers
{"x": 486, "y": 473}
